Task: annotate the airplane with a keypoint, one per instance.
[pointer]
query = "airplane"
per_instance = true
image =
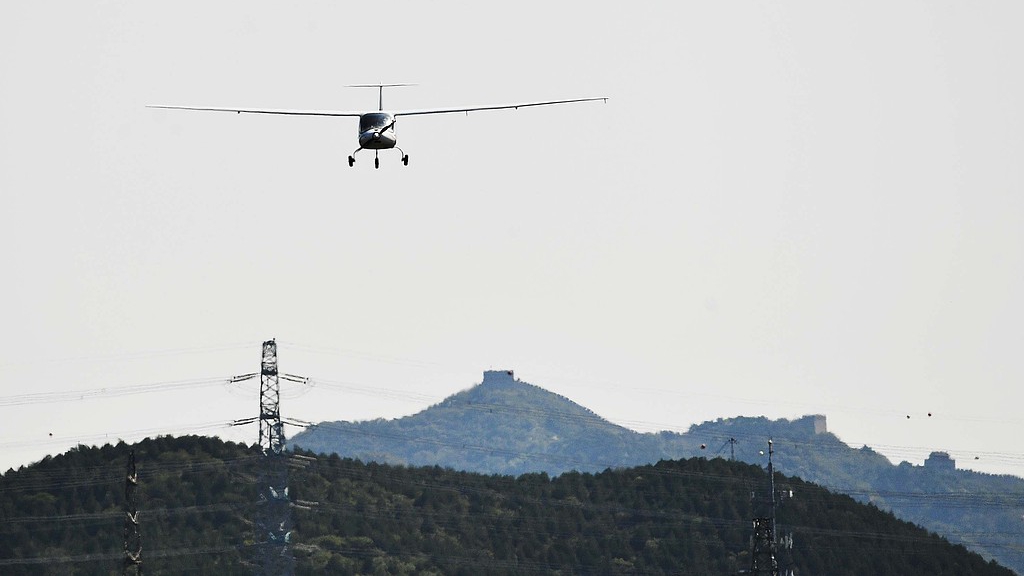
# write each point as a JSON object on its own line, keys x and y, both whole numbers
{"x": 377, "y": 128}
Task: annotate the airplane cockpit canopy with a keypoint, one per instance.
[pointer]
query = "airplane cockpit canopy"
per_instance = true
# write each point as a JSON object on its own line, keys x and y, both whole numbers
{"x": 374, "y": 121}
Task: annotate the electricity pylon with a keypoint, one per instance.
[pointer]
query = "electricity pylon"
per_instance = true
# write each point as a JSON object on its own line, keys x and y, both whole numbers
{"x": 273, "y": 511}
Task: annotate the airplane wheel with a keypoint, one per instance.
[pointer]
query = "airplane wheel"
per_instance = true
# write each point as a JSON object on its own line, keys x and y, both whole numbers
{"x": 376, "y": 162}
{"x": 405, "y": 159}
{"x": 351, "y": 161}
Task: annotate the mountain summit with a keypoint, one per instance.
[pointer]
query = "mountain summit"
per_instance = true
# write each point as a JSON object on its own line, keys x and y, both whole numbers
{"x": 500, "y": 426}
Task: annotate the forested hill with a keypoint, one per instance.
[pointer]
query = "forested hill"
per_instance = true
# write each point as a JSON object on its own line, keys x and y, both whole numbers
{"x": 502, "y": 426}
{"x": 196, "y": 498}
{"x": 506, "y": 426}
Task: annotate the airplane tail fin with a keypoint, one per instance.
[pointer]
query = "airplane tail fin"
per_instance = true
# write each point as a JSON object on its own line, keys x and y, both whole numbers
{"x": 380, "y": 88}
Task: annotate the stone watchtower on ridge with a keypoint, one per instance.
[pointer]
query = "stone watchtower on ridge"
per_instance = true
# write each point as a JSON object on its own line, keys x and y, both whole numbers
{"x": 940, "y": 461}
{"x": 498, "y": 377}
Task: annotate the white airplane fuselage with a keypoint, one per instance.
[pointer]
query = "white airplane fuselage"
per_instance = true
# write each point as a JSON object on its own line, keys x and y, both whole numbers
{"x": 377, "y": 131}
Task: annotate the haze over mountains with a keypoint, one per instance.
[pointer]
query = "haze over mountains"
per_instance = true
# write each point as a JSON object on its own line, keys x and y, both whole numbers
{"x": 505, "y": 426}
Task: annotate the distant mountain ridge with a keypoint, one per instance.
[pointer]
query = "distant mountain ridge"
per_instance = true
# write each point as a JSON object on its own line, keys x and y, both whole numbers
{"x": 501, "y": 426}
{"x": 509, "y": 427}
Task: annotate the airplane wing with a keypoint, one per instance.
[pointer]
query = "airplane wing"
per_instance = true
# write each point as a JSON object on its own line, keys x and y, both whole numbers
{"x": 357, "y": 114}
{"x": 263, "y": 111}
{"x": 495, "y": 107}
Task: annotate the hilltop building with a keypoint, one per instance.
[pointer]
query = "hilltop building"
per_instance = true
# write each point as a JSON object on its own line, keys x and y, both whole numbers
{"x": 940, "y": 461}
{"x": 492, "y": 376}
{"x": 500, "y": 380}
{"x": 820, "y": 426}
{"x": 812, "y": 424}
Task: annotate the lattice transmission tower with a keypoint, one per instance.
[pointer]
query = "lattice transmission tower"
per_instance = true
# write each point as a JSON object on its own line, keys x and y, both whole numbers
{"x": 762, "y": 559}
{"x": 767, "y": 542}
{"x": 273, "y": 511}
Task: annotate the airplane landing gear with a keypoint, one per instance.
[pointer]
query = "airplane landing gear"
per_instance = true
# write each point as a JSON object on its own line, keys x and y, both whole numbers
{"x": 405, "y": 157}
{"x": 376, "y": 158}
{"x": 352, "y": 158}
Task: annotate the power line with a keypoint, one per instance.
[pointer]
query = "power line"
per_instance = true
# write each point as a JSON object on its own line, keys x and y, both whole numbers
{"x": 588, "y": 416}
{"x": 113, "y": 392}
{"x": 272, "y": 436}
{"x": 135, "y": 355}
{"x": 376, "y": 391}
{"x": 117, "y": 435}
{"x": 111, "y": 556}
{"x": 349, "y": 353}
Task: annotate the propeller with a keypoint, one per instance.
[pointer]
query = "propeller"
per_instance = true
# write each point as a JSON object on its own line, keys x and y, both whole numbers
{"x": 377, "y": 133}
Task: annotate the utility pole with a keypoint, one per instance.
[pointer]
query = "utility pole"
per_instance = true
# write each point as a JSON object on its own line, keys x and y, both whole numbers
{"x": 273, "y": 511}
{"x": 132, "y": 539}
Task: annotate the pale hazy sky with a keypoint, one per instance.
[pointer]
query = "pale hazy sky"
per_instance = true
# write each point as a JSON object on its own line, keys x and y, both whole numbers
{"x": 785, "y": 208}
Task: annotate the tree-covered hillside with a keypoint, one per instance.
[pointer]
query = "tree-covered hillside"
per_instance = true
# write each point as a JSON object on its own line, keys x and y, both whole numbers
{"x": 506, "y": 426}
{"x": 196, "y": 496}
{"x": 982, "y": 511}
{"x": 64, "y": 515}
